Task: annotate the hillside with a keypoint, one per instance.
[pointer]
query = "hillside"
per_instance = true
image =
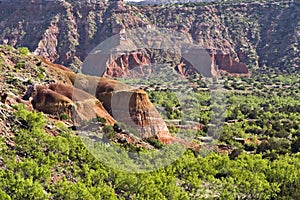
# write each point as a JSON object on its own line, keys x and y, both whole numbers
{"x": 257, "y": 34}
{"x": 55, "y": 90}
{"x": 43, "y": 157}
{"x": 136, "y": 121}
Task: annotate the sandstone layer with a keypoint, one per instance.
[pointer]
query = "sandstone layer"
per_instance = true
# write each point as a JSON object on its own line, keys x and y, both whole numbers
{"x": 257, "y": 34}
{"x": 88, "y": 97}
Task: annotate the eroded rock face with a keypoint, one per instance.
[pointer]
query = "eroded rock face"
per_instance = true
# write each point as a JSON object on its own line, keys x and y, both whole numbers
{"x": 227, "y": 63}
{"x": 121, "y": 66}
{"x": 109, "y": 99}
{"x": 208, "y": 64}
{"x": 127, "y": 105}
{"x": 47, "y": 46}
{"x": 133, "y": 108}
{"x": 77, "y": 104}
{"x": 65, "y": 31}
{"x": 51, "y": 102}
{"x": 86, "y": 106}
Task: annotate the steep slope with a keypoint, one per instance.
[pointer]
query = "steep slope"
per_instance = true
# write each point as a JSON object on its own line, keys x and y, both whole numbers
{"x": 55, "y": 90}
{"x": 256, "y": 34}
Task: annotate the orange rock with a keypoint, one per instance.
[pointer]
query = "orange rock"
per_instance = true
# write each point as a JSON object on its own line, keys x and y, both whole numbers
{"x": 226, "y": 62}
{"x": 121, "y": 66}
{"x": 77, "y": 104}
{"x": 50, "y": 102}
{"x": 89, "y": 105}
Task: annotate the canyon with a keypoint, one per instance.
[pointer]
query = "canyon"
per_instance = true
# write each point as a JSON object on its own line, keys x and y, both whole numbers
{"x": 246, "y": 34}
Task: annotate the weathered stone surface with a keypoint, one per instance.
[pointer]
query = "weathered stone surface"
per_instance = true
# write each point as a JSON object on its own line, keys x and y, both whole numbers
{"x": 86, "y": 106}
{"x": 51, "y": 102}
{"x": 121, "y": 66}
{"x": 227, "y": 63}
{"x": 77, "y": 104}
{"x": 131, "y": 107}
{"x": 201, "y": 61}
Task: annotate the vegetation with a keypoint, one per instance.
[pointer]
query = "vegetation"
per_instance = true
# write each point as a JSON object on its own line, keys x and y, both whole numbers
{"x": 40, "y": 166}
{"x": 23, "y": 51}
{"x": 265, "y": 113}
{"x": 260, "y": 124}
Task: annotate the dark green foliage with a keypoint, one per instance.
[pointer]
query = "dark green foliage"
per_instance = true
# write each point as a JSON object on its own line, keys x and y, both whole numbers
{"x": 170, "y": 105}
{"x": 235, "y": 153}
{"x": 296, "y": 145}
{"x": 64, "y": 117}
{"x": 101, "y": 120}
{"x": 109, "y": 132}
{"x": 20, "y": 65}
{"x": 156, "y": 143}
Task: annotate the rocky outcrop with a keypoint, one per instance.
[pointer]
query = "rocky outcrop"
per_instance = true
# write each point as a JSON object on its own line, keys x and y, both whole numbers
{"x": 92, "y": 97}
{"x": 126, "y": 105}
{"x": 133, "y": 108}
{"x": 195, "y": 61}
{"x": 122, "y": 65}
{"x": 85, "y": 106}
{"x": 47, "y": 46}
{"x": 50, "y": 102}
{"x": 227, "y": 63}
{"x": 78, "y": 105}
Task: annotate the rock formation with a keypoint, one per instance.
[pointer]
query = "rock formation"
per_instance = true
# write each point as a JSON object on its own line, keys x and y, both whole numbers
{"x": 127, "y": 105}
{"x": 86, "y": 106}
{"x": 208, "y": 64}
{"x": 50, "y": 102}
{"x": 78, "y": 105}
{"x": 121, "y": 66}
{"x": 227, "y": 63}
{"x": 89, "y": 97}
{"x": 133, "y": 108}
{"x": 66, "y": 32}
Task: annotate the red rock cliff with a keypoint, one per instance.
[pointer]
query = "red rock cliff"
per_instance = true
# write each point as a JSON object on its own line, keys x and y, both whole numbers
{"x": 227, "y": 63}
{"x": 121, "y": 66}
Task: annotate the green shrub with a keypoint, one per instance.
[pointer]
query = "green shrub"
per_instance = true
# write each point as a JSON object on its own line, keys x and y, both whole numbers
{"x": 64, "y": 116}
{"x": 23, "y": 51}
{"x": 32, "y": 120}
{"x": 4, "y": 196}
{"x": 101, "y": 120}
{"x": 156, "y": 143}
{"x": 109, "y": 132}
{"x": 20, "y": 65}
